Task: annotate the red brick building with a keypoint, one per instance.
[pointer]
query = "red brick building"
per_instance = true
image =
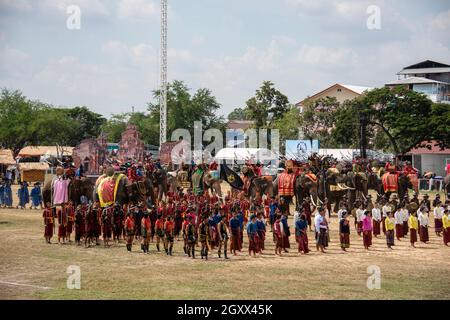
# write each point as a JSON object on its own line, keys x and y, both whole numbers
{"x": 131, "y": 146}
{"x": 91, "y": 153}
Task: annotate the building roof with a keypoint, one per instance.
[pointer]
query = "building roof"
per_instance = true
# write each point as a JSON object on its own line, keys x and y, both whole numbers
{"x": 427, "y": 64}
{"x": 239, "y": 124}
{"x": 37, "y": 151}
{"x": 413, "y": 80}
{"x": 432, "y": 150}
{"x": 424, "y": 70}
{"x": 355, "y": 89}
{"x": 6, "y": 157}
{"x": 27, "y": 166}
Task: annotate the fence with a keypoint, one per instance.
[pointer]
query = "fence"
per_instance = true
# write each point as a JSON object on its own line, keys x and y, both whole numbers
{"x": 431, "y": 184}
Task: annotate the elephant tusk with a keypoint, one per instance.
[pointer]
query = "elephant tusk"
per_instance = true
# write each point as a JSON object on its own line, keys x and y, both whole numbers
{"x": 312, "y": 200}
{"x": 363, "y": 196}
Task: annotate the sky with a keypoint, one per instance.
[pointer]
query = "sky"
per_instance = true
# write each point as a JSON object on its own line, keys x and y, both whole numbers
{"x": 111, "y": 64}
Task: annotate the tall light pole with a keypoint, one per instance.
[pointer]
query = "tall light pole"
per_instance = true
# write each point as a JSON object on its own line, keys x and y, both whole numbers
{"x": 163, "y": 75}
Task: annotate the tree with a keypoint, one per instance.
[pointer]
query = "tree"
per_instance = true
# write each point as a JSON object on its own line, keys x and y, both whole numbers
{"x": 183, "y": 109}
{"x": 267, "y": 106}
{"x": 88, "y": 123}
{"x": 398, "y": 119}
{"x": 318, "y": 120}
{"x": 114, "y": 127}
{"x": 16, "y": 116}
{"x": 239, "y": 114}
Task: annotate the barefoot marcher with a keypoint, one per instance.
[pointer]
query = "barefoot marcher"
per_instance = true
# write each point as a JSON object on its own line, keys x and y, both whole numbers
{"x": 413, "y": 225}
{"x": 79, "y": 224}
{"x": 90, "y": 226}
{"x": 278, "y": 234}
{"x": 203, "y": 235}
{"x": 398, "y": 224}
{"x": 118, "y": 221}
{"x": 168, "y": 233}
{"x": 423, "y": 224}
{"x": 286, "y": 232}
{"x": 390, "y": 226}
{"x": 252, "y": 233}
{"x": 70, "y": 220}
{"x": 190, "y": 233}
{"x": 146, "y": 232}
{"x": 367, "y": 229}
{"x": 24, "y": 196}
{"x": 405, "y": 215}
{"x": 159, "y": 230}
{"x": 36, "y": 196}
{"x": 321, "y": 227}
{"x": 344, "y": 231}
{"x": 62, "y": 224}
{"x": 446, "y": 226}
{"x": 107, "y": 224}
{"x": 438, "y": 213}
{"x": 48, "y": 223}
{"x": 129, "y": 229}
{"x": 359, "y": 217}
{"x": 235, "y": 234}
{"x": 223, "y": 236}
{"x": 301, "y": 236}
{"x": 261, "y": 226}
{"x": 376, "y": 220}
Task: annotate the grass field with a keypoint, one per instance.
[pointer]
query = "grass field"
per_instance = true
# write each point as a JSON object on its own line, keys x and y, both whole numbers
{"x": 32, "y": 269}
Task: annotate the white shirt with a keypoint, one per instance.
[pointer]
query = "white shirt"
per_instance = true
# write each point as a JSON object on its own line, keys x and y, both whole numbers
{"x": 438, "y": 212}
{"x": 385, "y": 208}
{"x": 405, "y": 214}
{"x": 359, "y": 215}
{"x": 423, "y": 218}
{"x": 376, "y": 214}
{"x": 340, "y": 212}
{"x": 296, "y": 217}
{"x": 398, "y": 217}
{"x": 318, "y": 219}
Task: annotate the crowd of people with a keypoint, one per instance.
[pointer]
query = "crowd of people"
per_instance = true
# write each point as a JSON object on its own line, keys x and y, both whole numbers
{"x": 207, "y": 223}
{"x": 25, "y": 197}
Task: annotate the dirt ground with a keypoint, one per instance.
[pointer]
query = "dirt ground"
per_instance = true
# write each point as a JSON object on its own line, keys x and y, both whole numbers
{"x": 32, "y": 269}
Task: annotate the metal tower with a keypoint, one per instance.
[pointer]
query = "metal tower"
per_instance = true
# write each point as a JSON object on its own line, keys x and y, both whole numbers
{"x": 163, "y": 75}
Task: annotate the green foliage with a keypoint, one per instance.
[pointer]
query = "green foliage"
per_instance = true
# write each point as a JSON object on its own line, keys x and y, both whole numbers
{"x": 25, "y": 122}
{"x": 183, "y": 109}
{"x": 267, "y": 106}
{"x": 239, "y": 114}
{"x": 318, "y": 118}
{"x": 398, "y": 120}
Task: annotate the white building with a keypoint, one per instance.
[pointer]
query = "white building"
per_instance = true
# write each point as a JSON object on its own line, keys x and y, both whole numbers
{"x": 428, "y": 77}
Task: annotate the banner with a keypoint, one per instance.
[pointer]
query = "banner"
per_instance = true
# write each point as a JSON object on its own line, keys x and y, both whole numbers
{"x": 301, "y": 149}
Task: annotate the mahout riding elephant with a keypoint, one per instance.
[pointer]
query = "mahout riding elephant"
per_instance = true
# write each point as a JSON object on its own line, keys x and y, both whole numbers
{"x": 403, "y": 183}
{"x": 77, "y": 187}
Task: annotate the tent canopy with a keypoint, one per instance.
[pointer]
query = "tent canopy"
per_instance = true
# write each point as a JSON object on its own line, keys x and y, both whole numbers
{"x": 242, "y": 154}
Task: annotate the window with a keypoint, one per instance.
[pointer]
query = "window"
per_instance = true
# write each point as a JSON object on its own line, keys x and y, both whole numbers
{"x": 339, "y": 90}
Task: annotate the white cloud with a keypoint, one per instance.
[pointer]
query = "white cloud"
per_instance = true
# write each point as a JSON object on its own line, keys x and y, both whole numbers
{"x": 441, "y": 21}
{"x": 17, "y": 5}
{"x": 137, "y": 9}
{"x": 325, "y": 57}
{"x": 198, "y": 40}
{"x": 88, "y": 7}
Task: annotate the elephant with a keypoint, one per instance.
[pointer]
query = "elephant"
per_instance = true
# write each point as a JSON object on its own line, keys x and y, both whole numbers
{"x": 140, "y": 191}
{"x": 76, "y": 189}
{"x": 212, "y": 183}
{"x": 262, "y": 185}
{"x": 447, "y": 185}
{"x": 358, "y": 187}
{"x": 204, "y": 180}
{"x": 333, "y": 186}
{"x": 122, "y": 194}
{"x": 403, "y": 184}
{"x": 374, "y": 182}
{"x": 159, "y": 181}
{"x": 306, "y": 186}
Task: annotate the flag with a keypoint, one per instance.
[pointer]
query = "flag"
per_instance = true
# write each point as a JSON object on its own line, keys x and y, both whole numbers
{"x": 231, "y": 177}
